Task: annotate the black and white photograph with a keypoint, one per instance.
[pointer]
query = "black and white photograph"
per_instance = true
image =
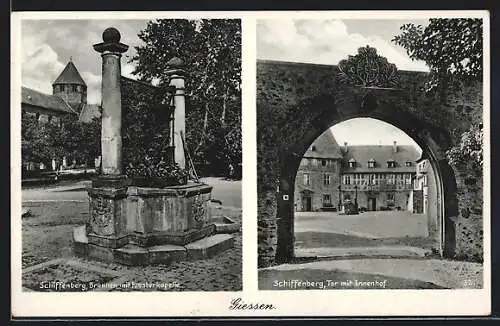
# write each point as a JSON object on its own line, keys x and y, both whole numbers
{"x": 131, "y": 155}
{"x": 370, "y": 153}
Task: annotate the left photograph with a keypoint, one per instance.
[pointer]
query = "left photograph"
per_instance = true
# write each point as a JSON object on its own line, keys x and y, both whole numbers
{"x": 131, "y": 155}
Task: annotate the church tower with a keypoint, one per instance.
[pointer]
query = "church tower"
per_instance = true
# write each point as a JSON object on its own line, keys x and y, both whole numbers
{"x": 71, "y": 87}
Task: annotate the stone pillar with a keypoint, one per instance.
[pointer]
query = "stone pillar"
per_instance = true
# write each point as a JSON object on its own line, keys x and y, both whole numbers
{"x": 106, "y": 228}
{"x": 111, "y": 140}
{"x": 176, "y": 74}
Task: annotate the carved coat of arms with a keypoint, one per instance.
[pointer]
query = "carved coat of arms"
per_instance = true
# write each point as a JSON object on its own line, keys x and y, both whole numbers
{"x": 198, "y": 209}
{"x": 101, "y": 211}
{"x": 368, "y": 69}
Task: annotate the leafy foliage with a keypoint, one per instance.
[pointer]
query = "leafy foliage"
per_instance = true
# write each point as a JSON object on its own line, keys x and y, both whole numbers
{"x": 152, "y": 168}
{"x": 42, "y": 142}
{"x": 470, "y": 148}
{"x": 448, "y": 46}
{"x": 211, "y": 51}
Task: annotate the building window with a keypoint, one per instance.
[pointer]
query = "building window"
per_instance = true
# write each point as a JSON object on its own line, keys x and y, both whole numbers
{"x": 323, "y": 162}
{"x": 391, "y": 179}
{"x": 390, "y": 196}
{"x": 326, "y": 179}
{"x": 399, "y": 179}
{"x": 327, "y": 200}
{"x": 391, "y": 164}
{"x": 373, "y": 178}
{"x": 408, "y": 164}
{"x": 313, "y": 148}
{"x": 346, "y": 179}
{"x": 75, "y": 88}
{"x": 306, "y": 179}
{"x": 314, "y": 162}
{"x": 352, "y": 163}
{"x": 408, "y": 179}
{"x": 371, "y": 163}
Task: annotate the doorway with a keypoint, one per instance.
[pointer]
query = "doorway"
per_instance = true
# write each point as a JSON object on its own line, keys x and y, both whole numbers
{"x": 372, "y": 204}
{"x": 306, "y": 202}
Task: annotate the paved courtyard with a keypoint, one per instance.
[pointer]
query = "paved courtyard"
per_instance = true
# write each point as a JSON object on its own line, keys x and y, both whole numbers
{"x": 380, "y": 233}
{"x": 372, "y": 250}
{"x": 377, "y": 224}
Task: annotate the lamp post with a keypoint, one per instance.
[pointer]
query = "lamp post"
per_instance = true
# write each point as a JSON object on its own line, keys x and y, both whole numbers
{"x": 340, "y": 197}
{"x": 356, "y": 196}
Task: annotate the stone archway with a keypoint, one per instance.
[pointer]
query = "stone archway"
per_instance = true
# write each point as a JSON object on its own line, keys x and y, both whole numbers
{"x": 296, "y": 102}
{"x": 432, "y": 140}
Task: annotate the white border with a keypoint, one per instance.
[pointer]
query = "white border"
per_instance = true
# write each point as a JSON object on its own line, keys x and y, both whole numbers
{"x": 288, "y": 303}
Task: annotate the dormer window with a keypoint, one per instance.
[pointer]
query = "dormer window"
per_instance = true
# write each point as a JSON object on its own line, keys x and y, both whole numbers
{"x": 408, "y": 164}
{"x": 371, "y": 163}
{"x": 391, "y": 164}
{"x": 352, "y": 163}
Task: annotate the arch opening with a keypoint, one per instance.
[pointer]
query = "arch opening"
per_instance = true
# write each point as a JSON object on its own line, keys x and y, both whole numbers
{"x": 427, "y": 199}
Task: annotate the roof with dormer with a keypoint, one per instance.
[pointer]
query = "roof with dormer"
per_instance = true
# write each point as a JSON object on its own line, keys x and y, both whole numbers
{"x": 70, "y": 75}
{"x": 325, "y": 146}
{"x": 381, "y": 154}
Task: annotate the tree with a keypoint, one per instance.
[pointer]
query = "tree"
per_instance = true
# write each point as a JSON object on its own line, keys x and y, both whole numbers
{"x": 35, "y": 140}
{"x": 42, "y": 142}
{"x": 211, "y": 51}
{"x": 452, "y": 48}
{"x": 448, "y": 46}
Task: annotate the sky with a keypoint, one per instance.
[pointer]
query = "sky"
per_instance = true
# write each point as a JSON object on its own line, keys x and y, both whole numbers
{"x": 368, "y": 131}
{"x": 48, "y": 45}
{"x": 329, "y": 41}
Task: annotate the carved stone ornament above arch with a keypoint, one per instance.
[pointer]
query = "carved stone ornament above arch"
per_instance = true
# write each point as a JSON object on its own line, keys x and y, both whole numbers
{"x": 368, "y": 69}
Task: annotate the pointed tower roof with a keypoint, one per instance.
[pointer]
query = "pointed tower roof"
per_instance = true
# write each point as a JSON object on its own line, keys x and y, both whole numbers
{"x": 325, "y": 146}
{"x": 70, "y": 75}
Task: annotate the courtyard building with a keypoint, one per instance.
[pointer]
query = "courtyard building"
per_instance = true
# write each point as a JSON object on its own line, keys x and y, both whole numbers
{"x": 376, "y": 177}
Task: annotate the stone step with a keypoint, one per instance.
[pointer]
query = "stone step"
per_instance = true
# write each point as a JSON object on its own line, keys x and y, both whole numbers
{"x": 209, "y": 246}
{"x": 226, "y": 227}
{"x": 372, "y": 252}
{"x": 135, "y": 255}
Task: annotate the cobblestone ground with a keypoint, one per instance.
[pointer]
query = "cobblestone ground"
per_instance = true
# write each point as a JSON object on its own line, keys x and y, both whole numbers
{"x": 47, "y": 238}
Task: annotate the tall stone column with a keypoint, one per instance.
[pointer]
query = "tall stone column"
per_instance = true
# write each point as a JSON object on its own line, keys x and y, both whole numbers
{"x": 176, "y": 74}
{"x": 111, "y": 141}
{"x": 107, "y": 196}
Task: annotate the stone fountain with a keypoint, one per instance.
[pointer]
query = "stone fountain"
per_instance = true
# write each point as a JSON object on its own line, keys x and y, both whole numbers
{"x": 135, "y": 225}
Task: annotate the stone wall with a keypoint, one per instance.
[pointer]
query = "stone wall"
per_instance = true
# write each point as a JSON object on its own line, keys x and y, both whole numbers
{"x": 297, "y": 102}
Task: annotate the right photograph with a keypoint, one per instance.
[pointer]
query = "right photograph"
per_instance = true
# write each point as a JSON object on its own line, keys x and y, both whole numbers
{"x": 370, "y": 153}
